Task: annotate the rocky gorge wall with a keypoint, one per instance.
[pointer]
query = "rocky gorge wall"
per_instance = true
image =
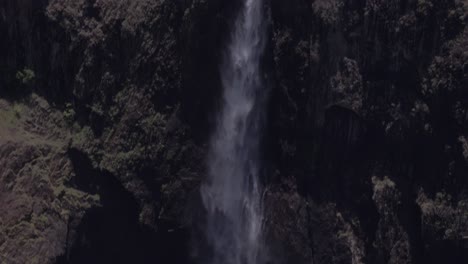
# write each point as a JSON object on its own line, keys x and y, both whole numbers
{"x": 372, "y": 129}
{"x": 102, "y": 150}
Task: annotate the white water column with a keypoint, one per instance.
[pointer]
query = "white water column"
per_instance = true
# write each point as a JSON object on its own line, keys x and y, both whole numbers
{"x": 232, "y": 192}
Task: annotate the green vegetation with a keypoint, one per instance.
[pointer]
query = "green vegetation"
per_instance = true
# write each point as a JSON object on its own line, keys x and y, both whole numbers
{"x": 10, "y": 115}
{"x": 25, "y": 76}
{"x": 443, "y": 217}
{"x": 69, "y": 113}
{"x": 17, "y": 109}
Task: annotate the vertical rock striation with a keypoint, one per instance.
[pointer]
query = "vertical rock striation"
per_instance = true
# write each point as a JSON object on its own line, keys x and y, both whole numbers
{"x": 106, "y": 108}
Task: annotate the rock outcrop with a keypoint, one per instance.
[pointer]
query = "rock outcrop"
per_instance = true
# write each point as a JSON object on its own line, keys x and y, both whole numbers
{"x": 106, "y": 107}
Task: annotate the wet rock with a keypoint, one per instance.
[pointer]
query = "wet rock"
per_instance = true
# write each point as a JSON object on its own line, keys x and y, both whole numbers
{"x": 126, "y": 92}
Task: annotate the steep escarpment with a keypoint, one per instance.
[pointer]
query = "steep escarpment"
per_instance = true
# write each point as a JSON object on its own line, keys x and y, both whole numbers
{"x": 38, "y": 203}
{"x": 106, "y": 108}
{"x": 369, "y": 119}
{"x": 113, "y": 70}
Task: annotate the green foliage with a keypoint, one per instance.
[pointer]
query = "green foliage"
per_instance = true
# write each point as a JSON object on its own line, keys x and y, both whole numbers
{"x": 442, "y": 217}
{"x": 17, "y": 109}
{"x": 25, "y": 76}
{"x": 10, "y": 115}
{"x": 447, "y": 72}
{"x": 69, "y": 113}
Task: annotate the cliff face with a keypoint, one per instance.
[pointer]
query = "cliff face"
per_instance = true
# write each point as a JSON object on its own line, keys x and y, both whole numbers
{"x": 369, "y": 119}
{"x": 113, "y": 71}
{"x": 107, "y": 107}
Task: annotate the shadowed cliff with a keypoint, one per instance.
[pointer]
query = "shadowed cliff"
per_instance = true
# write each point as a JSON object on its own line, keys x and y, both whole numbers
{"x": 106, "y": 108}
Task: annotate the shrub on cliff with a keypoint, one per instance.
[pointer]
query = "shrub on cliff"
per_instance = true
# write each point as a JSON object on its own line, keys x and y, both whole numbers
{"x": 69, "y": 113}
{"x": 25, "y": 76}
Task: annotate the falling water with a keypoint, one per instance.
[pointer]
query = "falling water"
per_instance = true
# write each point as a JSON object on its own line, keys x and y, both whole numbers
{"x": 232, "y": 192}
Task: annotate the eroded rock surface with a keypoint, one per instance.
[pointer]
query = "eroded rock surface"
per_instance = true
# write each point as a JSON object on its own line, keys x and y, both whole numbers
{"x": 107, "y": 107}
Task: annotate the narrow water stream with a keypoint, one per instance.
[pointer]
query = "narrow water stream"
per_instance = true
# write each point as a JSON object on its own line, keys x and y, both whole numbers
{"x": 232, "y": 192}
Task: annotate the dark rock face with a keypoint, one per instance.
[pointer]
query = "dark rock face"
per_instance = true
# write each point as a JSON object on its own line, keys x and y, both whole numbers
{"x": 367, "y": 122}
{"x": 103, "y": 147}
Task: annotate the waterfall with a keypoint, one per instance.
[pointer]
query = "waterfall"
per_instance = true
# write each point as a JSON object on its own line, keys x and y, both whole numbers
{"x": 232, "y": 192}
